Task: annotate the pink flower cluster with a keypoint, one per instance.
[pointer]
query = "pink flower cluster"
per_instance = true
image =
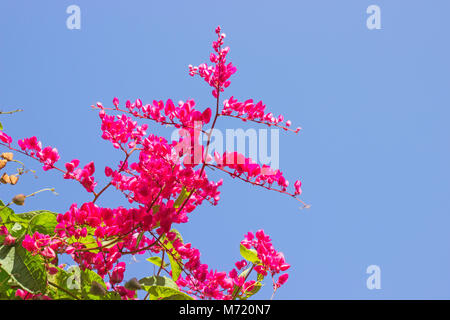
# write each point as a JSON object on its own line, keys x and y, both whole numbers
{"x": 216, "y": 76}
{"x": 182, "y": 115}
{"x": 206, "y": 283}
{"x": 247, "y": 169}
{"x": 84, "y": 176}
{"x": 9, "y": 239}
{"x": 25, "y": 295}
{"x": 122, "y": 130}
{"x": 48, "y": 156}
{"x": 42, "y": 244}
{"x": 272, "y": 262}
{"x": 249, "y": 111}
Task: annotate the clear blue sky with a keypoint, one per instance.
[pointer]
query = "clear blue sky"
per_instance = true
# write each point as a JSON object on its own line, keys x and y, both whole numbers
{"x": 374, "y": 154}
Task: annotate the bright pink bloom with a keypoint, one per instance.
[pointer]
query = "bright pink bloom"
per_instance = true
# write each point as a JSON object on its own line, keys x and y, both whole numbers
{"x": 9, "y": 240}
{"x": 117, "y": 274}
{"x": 3, "y": 231}
{"x": 48, "y": 253}
{"x": 116, "y": 102}
{"x": 297, "y": 186}
{"x": 282, "y": 279}
{"x": 5, "y": 138}
{"x": 206, "y": 115}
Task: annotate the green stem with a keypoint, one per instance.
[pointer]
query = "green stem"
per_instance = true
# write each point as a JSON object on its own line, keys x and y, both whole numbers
{"x": 64, "y": 290}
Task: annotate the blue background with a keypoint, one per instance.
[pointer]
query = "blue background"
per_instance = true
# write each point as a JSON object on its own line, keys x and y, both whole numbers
{"x": 373, "y": 156}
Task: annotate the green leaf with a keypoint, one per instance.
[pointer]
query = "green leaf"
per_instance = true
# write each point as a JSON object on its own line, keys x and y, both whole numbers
{"x": 169, "y": 294}
{"x": 1, "y": 126}
{"x": 181, "y": 198}
{"x": 176, "y": 268}
{"x": 174, "y": 258}
{"x": 79, "y": 282}
{"x": 17, "y": 230}
{"x": 139, "y": 239}
{"x": 9, "y": 294}
{"x": 44, "y": 222}
{"x": 4, "y": 280}
{"x": 249, "y": 254}
{"x": 260, "y": 277}
{"x": 68, "y": 280}
{"x": 255, "y": 290}
{"x": 87, "y": 277}
{"x": 27, "y": 216}
{"x": 157, "y": 261}
{"x": 245, "y": 272}
{"x": 27, "y": 270}
{"x": 163, "y": 288}
{"x": 5, "y": 212}
{"x": 158, "y": 281}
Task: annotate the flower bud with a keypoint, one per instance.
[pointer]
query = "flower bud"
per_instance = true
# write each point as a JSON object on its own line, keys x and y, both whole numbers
{"x": 3, "y": 163}
{"x": 5, "y": 179}
{"x": 8, "y": 156}
{"x": 19, "y": 199}
{"x": 133, "y": 284}
{"x": 97, "y": 289}
{"x": 13, "y": 179}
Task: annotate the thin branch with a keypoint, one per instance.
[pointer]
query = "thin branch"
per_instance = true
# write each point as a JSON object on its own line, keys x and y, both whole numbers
{"x": 64, "y": 290}
{"x": 11, "y": 112}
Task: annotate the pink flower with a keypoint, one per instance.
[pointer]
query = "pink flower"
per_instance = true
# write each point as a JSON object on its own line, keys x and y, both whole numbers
{"x": 125, "y": 293}
{"x": 206, "y": 115}
{"x": 52, "y": 270}
{"x": 30, "y": 144}
{"x": 241, "y": 264}
{"x": 117, "y": 274}
{"x": 5, "y": 138}
{"x": 282, "y": 279}
{"x": 297, "y": 186}
{"x": 29, "y": 244}
{"x": 3, "y": 231}
{"x": 48, "y": 253}
{"x": 23, "y": 294}
{"x": 248, "y": 286}
{"x": 108, "y": 172}
{"x": 116, "y": 102}
{"x": 9, "y": 240}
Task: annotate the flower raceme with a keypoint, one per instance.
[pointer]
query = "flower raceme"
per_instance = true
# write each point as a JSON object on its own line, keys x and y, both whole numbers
{"x": 217, "y": 75}
{"x": 249, "y": 111}
{"x": 164, "y": 182}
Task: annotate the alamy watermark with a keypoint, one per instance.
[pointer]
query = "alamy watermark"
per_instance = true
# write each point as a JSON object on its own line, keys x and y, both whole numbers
{"x": 260, "y": 145}
{"x": 374, "y": 20}
{"x": 374, "y": 280}
{"x": 74, "y": 20}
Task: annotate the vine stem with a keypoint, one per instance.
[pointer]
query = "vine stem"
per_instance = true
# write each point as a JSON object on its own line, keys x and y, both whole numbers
{"x": 208, "y": 142}
{"x": 246, "y": 277}
{"x": 11, "y": 112}
{"x": 64, "y": 290}
{"x": 30, "y": 195}
{"x": 261, "y": 122}
{"x": 305, "y": 205}
{"x": 32, "y": 157}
